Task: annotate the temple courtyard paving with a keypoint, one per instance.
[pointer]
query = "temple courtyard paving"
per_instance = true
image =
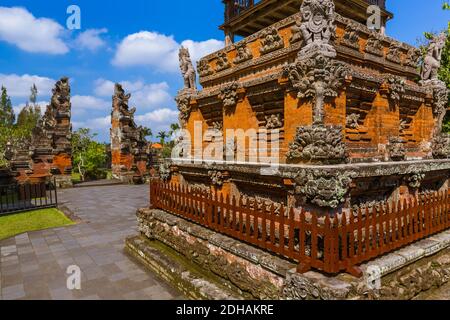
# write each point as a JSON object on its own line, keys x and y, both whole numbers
{"x": 34, "y": 265}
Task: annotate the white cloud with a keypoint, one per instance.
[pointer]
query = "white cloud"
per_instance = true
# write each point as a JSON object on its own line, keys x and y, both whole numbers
{"x": 160, "y": 116}
{"x": 37, "y": 35}
{"x": 143, "y": 95}
{"x": 90, "y": 39}
{"x": 19, "y": 86}
{"x": 159, "y": 51}
{"x": 89, "y": 103}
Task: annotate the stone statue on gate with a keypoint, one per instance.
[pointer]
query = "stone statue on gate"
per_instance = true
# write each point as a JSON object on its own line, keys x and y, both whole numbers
{"x": 432, "y": 60}
{"x": 187, "y": 70}
{"x": 317, "y": 27}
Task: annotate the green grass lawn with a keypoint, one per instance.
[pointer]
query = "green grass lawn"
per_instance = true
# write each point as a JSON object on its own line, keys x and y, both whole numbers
{"x": 15, "y": 224}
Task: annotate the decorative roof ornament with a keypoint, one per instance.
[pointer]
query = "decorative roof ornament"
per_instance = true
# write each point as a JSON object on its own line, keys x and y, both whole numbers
{"x": 318, "y": 27}
{"x": 432, "y": 60}
{"x": 187, "y": 70}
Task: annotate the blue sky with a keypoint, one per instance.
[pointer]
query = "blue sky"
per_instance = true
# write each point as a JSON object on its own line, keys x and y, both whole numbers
{"x": 134, "y": 42}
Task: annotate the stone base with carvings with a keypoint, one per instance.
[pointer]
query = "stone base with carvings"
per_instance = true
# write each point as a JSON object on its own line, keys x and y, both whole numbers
{"x": 206, "y": 265}
{"x": 63, "y": 181}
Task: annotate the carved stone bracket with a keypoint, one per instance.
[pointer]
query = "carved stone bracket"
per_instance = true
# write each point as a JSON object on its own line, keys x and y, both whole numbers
{"x": 271, "y": 41}
{"x": 395, "y": 53}
{"x": 374, "y": 44}
{"x": 229, "y": 95}
{"x": 217, "y": 177}
{"x": 412, "y": 58}
{"x": 274, "y": 121}
{"x": 222, "y": 62}
{"x": 243, "y": 53}
{"x": 318, "y": 78}
{"x": 415, "y": 180}
{"x": 396, "y": 87}
{"x": 352, "y": 121}
{"x": 204, "y": 68}
{"x": 184, "y": 106}
{"x": 351, "y": 35}
{"x": 396, "y": 149}
{"x": 325, "y": 188}
{"x": 318, "y": 144}
{"x": 441, "y": 146}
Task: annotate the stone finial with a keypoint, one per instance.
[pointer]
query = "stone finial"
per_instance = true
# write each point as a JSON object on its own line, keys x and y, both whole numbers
{"x": 432, "y": 60}
{"x": 187, "y": 70}
{"x": 318, "y": 29}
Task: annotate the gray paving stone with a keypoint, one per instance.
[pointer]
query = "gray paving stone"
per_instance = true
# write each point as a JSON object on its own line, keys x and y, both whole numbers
{"x": 33, "y": 265}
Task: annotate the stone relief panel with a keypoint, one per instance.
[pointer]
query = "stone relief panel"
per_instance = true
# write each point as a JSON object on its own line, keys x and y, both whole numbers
{"x": 318, "y": 144}
{"x": 243, "y": 54}
{"x": 271, "y": 41}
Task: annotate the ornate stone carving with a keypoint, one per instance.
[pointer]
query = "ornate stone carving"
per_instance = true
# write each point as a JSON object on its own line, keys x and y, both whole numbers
{"x": 274, "y": 121}
{"x": 351, "y": 35}
{"x": 374, "y": 44}
{"x": 271, "y": 41}
{"x": 296, "y": 31}
{"x": 323, "y": 187}
{"x": 412, "y": 58}
{"x": 217, "y": 177}
{"x": 396, "y": 87}
{"x": 243, "y": 53}
{"x": 184, "y": 106}
{"x": 318, "y": 144}
{"x": 222, "y": 61}
{"x": 229, "y": 95}
{"x": 396, "y": 149}
{"x": 395, "y": 52}
{"x": 204, "y": 68}
{"x": 432, "y": 61}
{"x": 441, "y": 146}
{"x": 187, "y": 70}
{"x": 298, "y": 287}
{"x": 352, "y": 121}
{"x": 318, "y": 29}
{"x": 317, "y": 77}
{"x": 415, "y": 180}
{"x": 440, "y": 105}
{"x": 164, "y": 172}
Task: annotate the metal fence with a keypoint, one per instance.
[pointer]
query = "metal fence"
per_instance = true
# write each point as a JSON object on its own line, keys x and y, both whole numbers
{"x": 16, "y": 198}
{"x": 329, "y": 244}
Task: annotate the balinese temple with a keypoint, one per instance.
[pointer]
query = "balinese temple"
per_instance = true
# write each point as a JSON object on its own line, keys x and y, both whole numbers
{"x": 313, "y": 159}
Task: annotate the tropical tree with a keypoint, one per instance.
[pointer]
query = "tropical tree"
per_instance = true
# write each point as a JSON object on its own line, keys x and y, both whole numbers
{"x": 89, "y": 156}
{"x": 7, "y": 116}
{"x": 444, "y": 72}
{"x": 147, "y": 132}
{"x": 162, "y": 136}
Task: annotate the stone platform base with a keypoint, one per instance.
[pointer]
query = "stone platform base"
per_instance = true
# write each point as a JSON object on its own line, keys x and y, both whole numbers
{"x": 206, "y": 265}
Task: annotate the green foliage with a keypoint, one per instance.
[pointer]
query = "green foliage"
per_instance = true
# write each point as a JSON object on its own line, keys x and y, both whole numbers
{"x": 7, "y": 116}
{"x": 444, "y": 71}
{"x": 89, "y": 156}
{"x": 162, "y": 136}
{"x": 27, "y": 120}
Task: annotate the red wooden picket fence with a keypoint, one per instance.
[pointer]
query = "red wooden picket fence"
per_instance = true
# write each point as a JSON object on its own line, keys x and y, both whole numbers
{"x": 329, "y": 244}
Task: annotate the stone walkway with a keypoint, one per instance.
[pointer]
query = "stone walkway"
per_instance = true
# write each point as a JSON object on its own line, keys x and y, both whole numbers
{"x": 34, "y": 265}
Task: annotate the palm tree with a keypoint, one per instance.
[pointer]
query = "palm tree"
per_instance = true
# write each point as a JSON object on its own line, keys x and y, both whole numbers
{"x": 162, "y": 135}
{"x": 147, "y": 132}
{"x": 174, "y": 127}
